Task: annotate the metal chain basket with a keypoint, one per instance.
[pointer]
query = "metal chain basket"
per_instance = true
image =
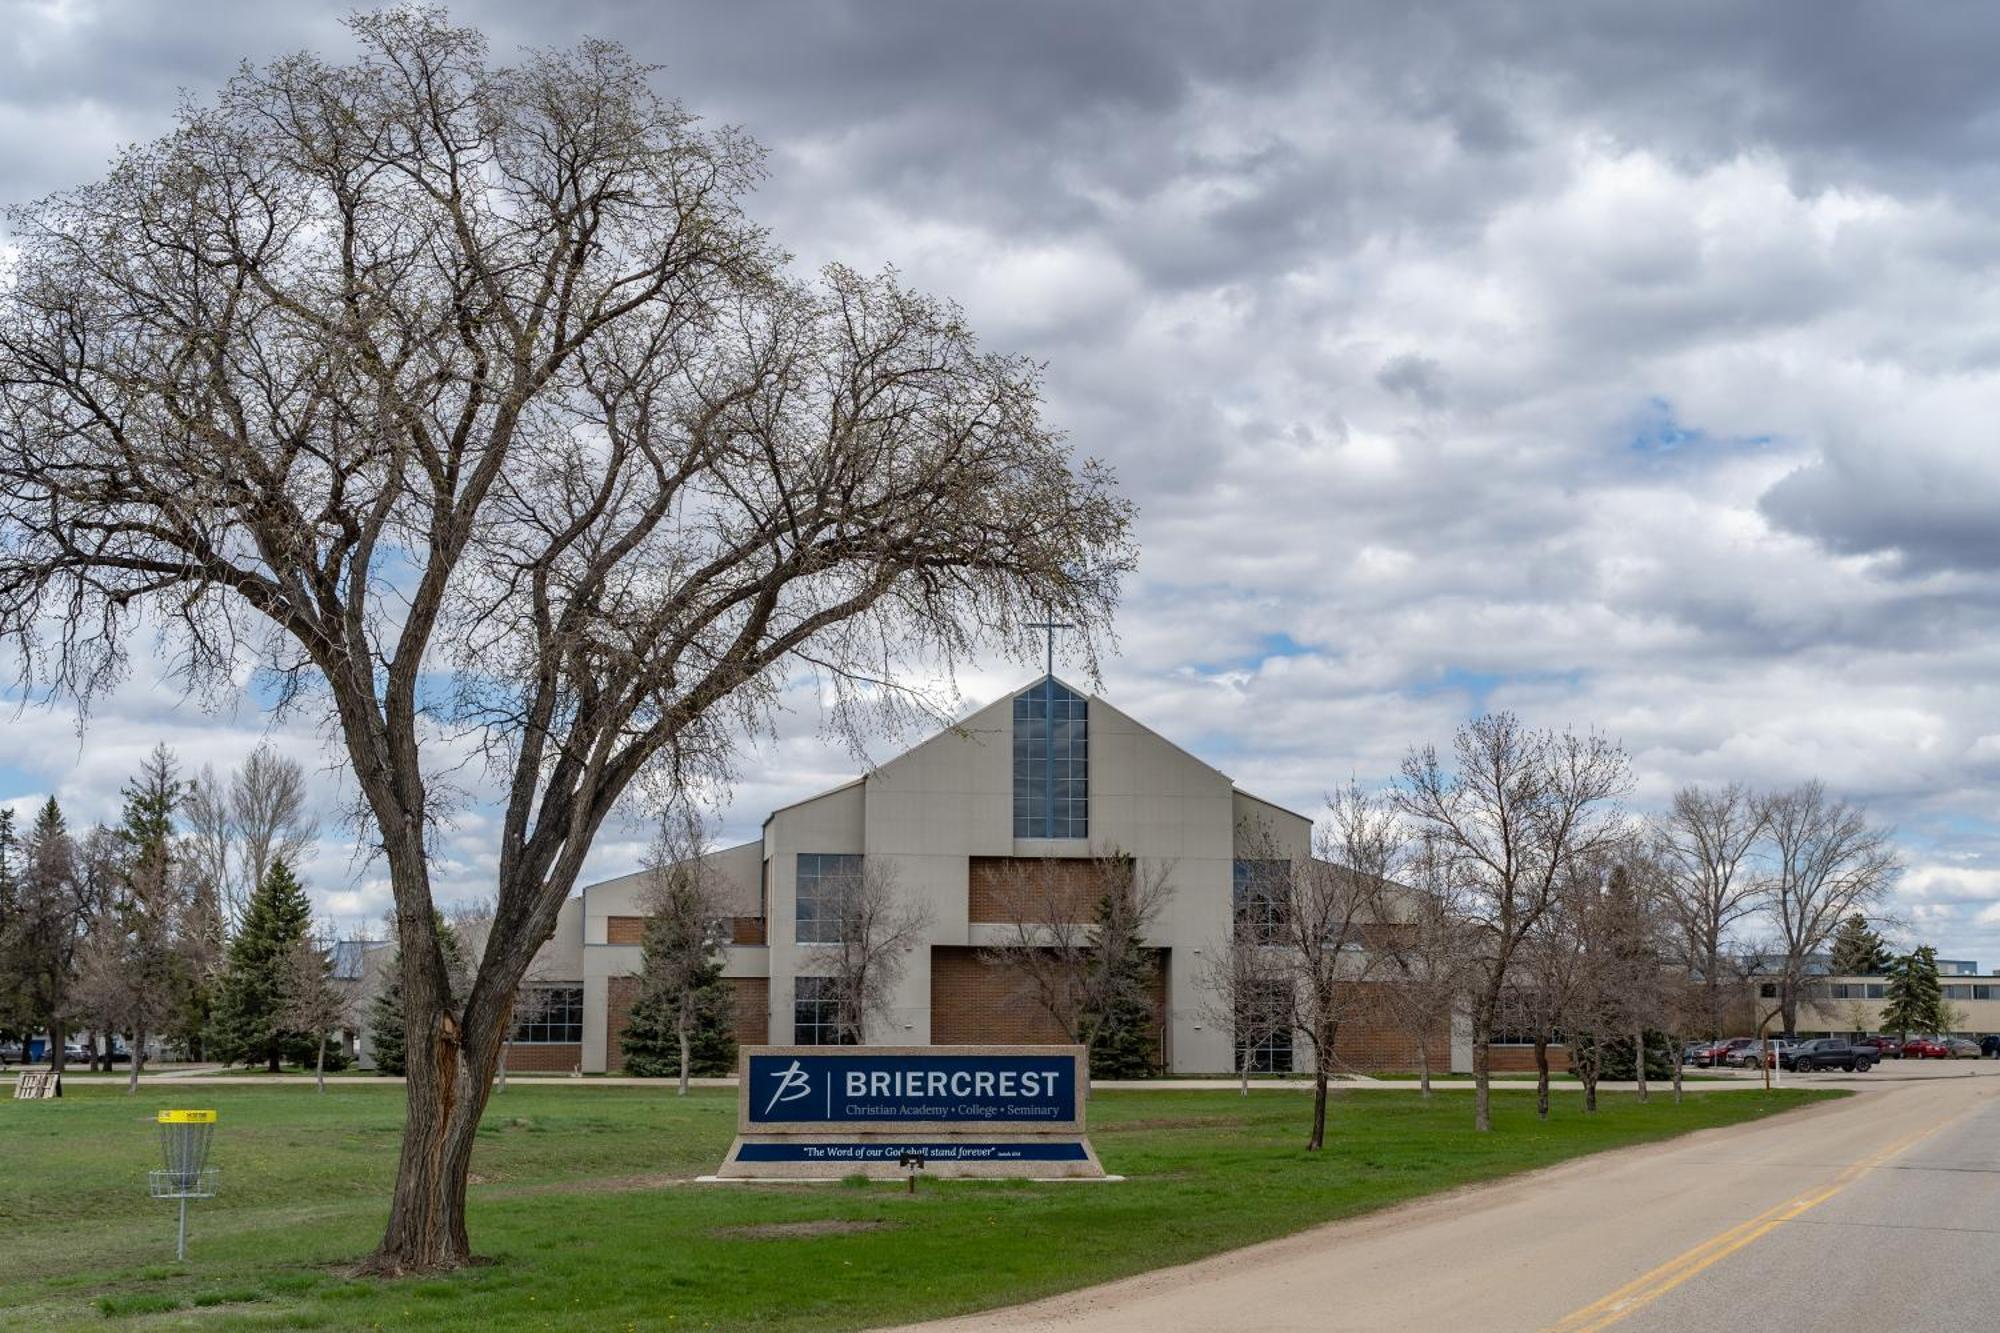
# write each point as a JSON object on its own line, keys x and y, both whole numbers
{"x": 185, "y": 1137}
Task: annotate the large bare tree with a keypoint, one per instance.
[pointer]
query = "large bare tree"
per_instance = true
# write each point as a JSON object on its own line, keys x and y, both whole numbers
{"x": 465, "y": 403}
{"x": 235, "y": 831}
{"x": 1827, "y": 863}
{"x": 1510, "y": 817}
{"x": 1705, "y": 848}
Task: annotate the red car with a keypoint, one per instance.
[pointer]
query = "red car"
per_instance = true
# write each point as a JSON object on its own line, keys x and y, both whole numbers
{"x": 1886, "y": 1048}
{"x": 1926, "y": 1048}
{"x": 1718, "y": 1054}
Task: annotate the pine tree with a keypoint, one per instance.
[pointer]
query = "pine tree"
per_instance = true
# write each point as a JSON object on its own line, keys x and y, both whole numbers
{"x": 1858, "y": 951}
{"x": 1913, "y": 1000}
{"x": 250, "y": 1013}
{"x": 1122, "y": 1044}
{"x": 386, "y": 1041}
{"x": 652, "y": 1042}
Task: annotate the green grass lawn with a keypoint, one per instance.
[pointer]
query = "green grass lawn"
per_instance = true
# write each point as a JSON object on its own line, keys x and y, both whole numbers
{"x": 580, "y": 1199}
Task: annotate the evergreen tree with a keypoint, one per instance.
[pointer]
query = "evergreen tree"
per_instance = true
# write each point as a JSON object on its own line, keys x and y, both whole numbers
{"x": 652, "y": 1040}
{"x": 386, "y": 1043}
{"x": 1858, "y": 951}
{"x": 1913, "y": 1000}
{"x": 1122, "y": 1042}
{"x": 250, "y": 1024}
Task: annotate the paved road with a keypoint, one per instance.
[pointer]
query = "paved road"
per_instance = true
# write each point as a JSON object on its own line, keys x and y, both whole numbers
{"x": 1881, "y": 1212}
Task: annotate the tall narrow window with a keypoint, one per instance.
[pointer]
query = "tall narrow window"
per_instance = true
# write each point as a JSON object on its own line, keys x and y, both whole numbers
{"x": 1261, "y": 898}
{"x": 826, "y": 885}
{"x": 1051, "y": 762}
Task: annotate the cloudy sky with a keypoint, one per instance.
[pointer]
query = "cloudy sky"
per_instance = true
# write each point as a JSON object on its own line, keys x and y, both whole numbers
{"x": 1628, "y": 372}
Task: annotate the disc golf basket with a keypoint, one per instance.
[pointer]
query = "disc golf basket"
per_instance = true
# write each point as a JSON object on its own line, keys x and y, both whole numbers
{"x": 184, "y": 1140}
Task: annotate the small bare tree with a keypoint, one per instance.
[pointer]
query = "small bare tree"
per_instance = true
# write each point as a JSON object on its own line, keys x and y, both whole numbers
{"x": 133, "y": 965}
{"x": 1245, "y": 987}
{"x": 315, "y": 1002}
{"x": 1329, "y": 902}
{"x": 1426, "y": 947}
{"x": 1827, "y": 863}
{"x": 1510, "y": 817}
{"x": 1551, "y": 991}
{"x": 1076, "y": 936}
{"x": 868, "y": 935}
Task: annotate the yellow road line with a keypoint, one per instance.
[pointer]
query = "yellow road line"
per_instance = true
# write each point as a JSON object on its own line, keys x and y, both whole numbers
{"x": 1649, "y": 1287}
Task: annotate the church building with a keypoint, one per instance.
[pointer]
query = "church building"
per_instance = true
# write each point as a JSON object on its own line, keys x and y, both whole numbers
{"x": 1047, "y": 774}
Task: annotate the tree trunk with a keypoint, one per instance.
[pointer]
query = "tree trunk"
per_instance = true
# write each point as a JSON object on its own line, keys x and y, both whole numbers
{"x": 1678, "y": 1045}
{"x": 1482, "y": 1058}
{"x": 1639, "y": 1060}
{"x": 272, "y": 1059}
{"x": 1424, "y": 1068}
{"x": 1541, "y": 1077}
{"x": 687, "y": 1057}
{"x": 57, "y": 1040}
{"x": 1319, "y": 1104}
{"x": 1243, "y": 1073}
{"x": 319, "y": 1065}
{"x": 449, "y": 1068}
{"x": 506, "y": 1049}
{"x": 137, "y": 1054}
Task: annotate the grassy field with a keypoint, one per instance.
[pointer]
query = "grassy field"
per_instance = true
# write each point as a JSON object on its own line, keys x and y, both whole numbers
{"x": 580, "y": 1199}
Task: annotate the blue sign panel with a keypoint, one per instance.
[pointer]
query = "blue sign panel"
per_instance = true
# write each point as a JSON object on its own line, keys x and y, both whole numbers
{"x": 856, "y": 1087}
{"x": 884, "y": 1150}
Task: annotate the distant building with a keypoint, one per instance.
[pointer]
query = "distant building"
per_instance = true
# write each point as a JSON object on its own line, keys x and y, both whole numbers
{"x": 1047, "y": 773}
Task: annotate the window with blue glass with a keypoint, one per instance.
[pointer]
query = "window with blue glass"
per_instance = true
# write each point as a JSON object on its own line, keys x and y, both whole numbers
{"x": 1051, "y": 762}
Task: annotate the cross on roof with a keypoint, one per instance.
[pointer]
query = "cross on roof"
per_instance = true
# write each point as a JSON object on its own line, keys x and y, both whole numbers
{"x": 1051, "y": 626}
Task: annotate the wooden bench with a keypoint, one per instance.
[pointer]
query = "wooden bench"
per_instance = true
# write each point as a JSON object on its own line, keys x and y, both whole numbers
{"x": 37, "y": 1085}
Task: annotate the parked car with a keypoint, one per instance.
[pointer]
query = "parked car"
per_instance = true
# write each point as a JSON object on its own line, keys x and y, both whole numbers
{"x": 1963, "y": 1048}
{"x": 11, "y": 1052}
{"x": 1827, "y": 1053}
{"x": 1774, "y": 1051}
{"x": 1926, "y": 1048}
{"x": 1691, "y": 1052}
{"x": 1719, "y": 1053}
{"x": 1989, "y": 1046}
{"x": 1886, "y": 1048}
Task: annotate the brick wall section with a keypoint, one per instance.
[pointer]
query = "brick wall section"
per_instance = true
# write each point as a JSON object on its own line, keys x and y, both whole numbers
{"x": 553, "y": 1058}
{"x": 1371, "y": 1038}
{"x": 752, "y": 1004}
{"x": 1513, "y": 1059}
{"x": 994, "y": 884}
{"x": 753, "y": 1011}
{"x": 632, "y": 930}
{"x": 977, "y": 1003}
